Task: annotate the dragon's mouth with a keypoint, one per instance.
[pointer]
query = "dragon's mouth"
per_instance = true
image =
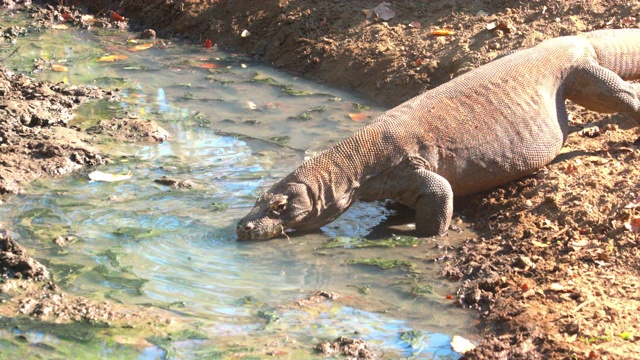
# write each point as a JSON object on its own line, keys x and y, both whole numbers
{"x": 247, "y": 232}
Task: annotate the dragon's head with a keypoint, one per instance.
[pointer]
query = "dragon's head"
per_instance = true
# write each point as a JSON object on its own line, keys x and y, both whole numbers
{"x": 284, "y": 206}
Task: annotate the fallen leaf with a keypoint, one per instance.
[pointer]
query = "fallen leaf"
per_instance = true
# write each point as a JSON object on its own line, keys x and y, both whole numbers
{"x": 571, "y": 169}
{"x": 384, "y": 12}
{"x": 59, "y": 68}
{"x": 102, "y": 176}
{"x": 502, "y": 26}
{"x": 579, "y": 244}
{"x": 629, "y": 20}
{"x": 627, "y": 335}
{"x": 634, "y": 204}
{"x": 633, "y": 224}
{"x": 357, "y": 116}
{"x": 461, "y": 345}
{"x": 449, "y": 297}
{"x": 110, "y": 58}
{"x": 141, "y": 47}
{"x": 208, "y": 44}
{"x": 418, "y": 62}
{"x": 66, "y": 16}
{"x": 593, "y": 355}
{"x": 443, "y": 32}
{"x": 59, "y": 26}
{"x": 114, "y": 16}
{"x": 571, "y": 338}
{"x": 539, "y": 244}
{"x": 208, "y": 66}
{"x": 251, "y": 105}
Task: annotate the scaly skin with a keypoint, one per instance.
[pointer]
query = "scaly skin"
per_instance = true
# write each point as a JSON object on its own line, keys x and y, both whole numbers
{"x": 492, "y": 125}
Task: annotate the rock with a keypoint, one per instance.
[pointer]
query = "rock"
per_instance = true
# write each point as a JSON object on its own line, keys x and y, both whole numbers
{"x": 14, "y": 261}
{"x": 524, "y": 263}
{"x": 148, "y": 34}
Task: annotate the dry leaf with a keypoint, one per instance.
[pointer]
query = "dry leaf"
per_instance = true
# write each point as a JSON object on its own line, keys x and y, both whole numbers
{"x": 251, "y": 105}
{"x": 503, "y": 26}
{"x": 629, "y": 20}
{"x": 59, "y": 26}
{"x": 208, "y": 66}
{"x": 357, "y": 116}
{"x": 461, "y": 345}
{"x": 110, "y": 58}
{"x": 580, "y": 243}
{"x": 633, "y": 225}
{"x": 114, "y": 16}
{"x": 59, "y": 68}
{"x": 539, "y": 244}
{"x": 443, "y": 32}
{"x": 141, "y": 47}
{"x": 571, "y": 169}
{"x": 384, "y": 12}
{"x": 102, "y": 176}
{"x": 634, "y": 204}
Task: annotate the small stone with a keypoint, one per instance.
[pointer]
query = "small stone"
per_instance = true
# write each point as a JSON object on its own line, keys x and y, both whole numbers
{"x": 524, "y": 263}
{"x": 148, "y": 34}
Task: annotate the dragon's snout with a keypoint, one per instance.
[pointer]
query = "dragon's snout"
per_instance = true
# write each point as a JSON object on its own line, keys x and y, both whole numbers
{"x": 249, "y": 230}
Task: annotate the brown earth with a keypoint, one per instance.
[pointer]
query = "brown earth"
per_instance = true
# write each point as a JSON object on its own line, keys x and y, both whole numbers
{"x": 555, "y": 274}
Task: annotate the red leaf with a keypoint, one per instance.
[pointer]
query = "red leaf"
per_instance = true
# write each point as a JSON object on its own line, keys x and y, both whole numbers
{"x": 357, "y": 116}
{"x": 114, "y": 16}
{"x": 208, "y": 44}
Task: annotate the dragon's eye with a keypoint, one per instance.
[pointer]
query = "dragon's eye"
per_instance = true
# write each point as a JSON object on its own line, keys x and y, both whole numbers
{"x": 279, "y": 204}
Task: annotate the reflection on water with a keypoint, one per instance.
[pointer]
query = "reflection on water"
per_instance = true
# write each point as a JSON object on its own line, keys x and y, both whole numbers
{"x": 237, "y": 127}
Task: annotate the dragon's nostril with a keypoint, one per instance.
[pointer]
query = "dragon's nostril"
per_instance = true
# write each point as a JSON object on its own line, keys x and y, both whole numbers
{"x": 249, "y": 227}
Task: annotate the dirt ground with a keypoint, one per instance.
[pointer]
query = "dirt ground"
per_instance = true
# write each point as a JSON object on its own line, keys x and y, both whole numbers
{"x": 555, "y": 274}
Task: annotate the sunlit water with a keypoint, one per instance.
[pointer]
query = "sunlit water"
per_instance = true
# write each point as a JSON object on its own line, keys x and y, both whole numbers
{"x": 236, "y": 129}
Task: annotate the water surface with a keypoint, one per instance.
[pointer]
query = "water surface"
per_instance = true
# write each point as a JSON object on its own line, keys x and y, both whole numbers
{"x": 237, "y": 127}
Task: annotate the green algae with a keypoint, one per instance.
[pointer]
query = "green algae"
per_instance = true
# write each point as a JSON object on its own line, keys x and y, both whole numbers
{"x": 136, "y": 233}
{"x": 385, "y": 264}
{"x": 390, "y": 242}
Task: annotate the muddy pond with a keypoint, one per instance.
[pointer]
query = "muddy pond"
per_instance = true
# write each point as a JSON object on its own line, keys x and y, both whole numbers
{"x": 237, "y": 126}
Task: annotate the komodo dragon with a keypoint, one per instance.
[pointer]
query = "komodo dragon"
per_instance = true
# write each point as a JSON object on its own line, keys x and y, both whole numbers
{"x": 492, "y": 125}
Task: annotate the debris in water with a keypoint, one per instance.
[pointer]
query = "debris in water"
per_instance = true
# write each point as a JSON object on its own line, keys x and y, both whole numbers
{"x": 105, "y": 177}
{"x": 461, "y": 345}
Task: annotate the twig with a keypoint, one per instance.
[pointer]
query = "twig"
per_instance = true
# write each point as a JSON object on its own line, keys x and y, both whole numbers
{"x": 13, "y": 52}
{"x": 285, "y": 234}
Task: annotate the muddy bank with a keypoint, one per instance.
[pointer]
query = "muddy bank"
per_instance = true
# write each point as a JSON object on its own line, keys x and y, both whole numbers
{"x": 35, "y": 139}
{"x": 347, "y": 45}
